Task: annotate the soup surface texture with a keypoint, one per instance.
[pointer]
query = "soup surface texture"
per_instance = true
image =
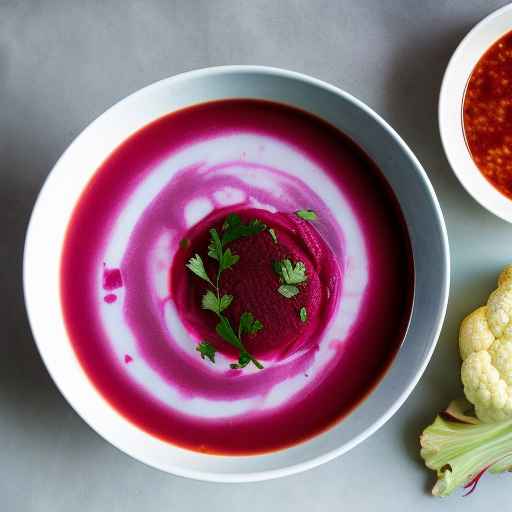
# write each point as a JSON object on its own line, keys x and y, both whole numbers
{"x": 487, "y": 115}
{"x": 133, "y": 310}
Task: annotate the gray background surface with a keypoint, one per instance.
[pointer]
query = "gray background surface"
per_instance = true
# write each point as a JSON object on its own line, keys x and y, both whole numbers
{"x": 62, "y": 63}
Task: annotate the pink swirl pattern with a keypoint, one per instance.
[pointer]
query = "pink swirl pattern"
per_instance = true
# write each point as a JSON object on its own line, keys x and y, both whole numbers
{"x": 130, "y": 328}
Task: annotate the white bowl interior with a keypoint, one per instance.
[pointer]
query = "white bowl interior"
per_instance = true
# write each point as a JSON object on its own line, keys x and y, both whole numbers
{"x": 77, "y": 165}
{"x": 457, "y": 74}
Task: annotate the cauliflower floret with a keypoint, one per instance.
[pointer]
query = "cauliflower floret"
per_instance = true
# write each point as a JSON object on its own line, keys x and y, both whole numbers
{"x": 499, "y": 310}
{"x": 475, "y": 334}
{"x": 485, "y": 343}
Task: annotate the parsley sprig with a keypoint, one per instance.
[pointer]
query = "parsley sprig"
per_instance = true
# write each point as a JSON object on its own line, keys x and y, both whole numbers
{"x": 232, "y": 229}
{"x": 290, "y": 276}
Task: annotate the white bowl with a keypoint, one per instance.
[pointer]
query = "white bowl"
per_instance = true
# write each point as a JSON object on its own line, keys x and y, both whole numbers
{"x": 79, "y": 162}
{"x": 451, "y": 98}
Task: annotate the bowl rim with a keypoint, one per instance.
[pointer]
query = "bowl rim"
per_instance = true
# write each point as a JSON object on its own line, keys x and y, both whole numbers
{"x": 440, "y": 310}
{"x": 452, "y": 132}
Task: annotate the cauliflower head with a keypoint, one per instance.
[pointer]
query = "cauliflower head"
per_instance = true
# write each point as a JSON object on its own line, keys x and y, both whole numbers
{"x": 485, "y": 343}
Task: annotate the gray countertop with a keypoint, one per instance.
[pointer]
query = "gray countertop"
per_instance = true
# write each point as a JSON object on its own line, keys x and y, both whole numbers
{"x": 64, "y": 62}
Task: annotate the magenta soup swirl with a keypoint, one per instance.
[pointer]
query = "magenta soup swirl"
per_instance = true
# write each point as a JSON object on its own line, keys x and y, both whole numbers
{"x": 134, "y": 311}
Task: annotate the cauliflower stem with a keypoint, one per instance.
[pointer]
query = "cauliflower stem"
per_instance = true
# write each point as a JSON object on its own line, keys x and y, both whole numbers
{"x": 461, "y": 452}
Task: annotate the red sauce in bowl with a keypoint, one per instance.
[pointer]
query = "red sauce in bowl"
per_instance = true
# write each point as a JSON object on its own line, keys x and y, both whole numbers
{"x": 487, "y": 114}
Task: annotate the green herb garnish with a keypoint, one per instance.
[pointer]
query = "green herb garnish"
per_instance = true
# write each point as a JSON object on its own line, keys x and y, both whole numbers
{"x": 213, "y": 303}
{"x": 228, "y": 259}
{"x": 243, "y": 361}
{"x": 215, "y": 246}
{"x": 232, "y": 229}
{"x": 306, "y": 214}
{"x": 196, "y": 265}
{"x": 290, "y": 275}
{"x": 303, "y": 313}
{"x": 225, "y": 330}
{"x": 248, "y": 325}
{"x": 206, "y": 350}
{"x": 272, "y": 233}
{"x": 288, "y": 290}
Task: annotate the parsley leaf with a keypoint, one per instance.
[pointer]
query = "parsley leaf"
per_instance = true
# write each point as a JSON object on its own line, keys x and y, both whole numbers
{"x": 196, "y": 265}
{"x": 231, "y": 221}
{"x": 228, "y": 259}
{"x": 272, "y": 233}
{"x": 237, "y": 229}
{"x": 293, "y": 275}
{"x": 215, "y": 246}
{"x": 303, "y": 313}
{"x": 306, "y": 214}
{"x": 225, "y": 302}
{"x": 224, "y": 330}
{"x": 210, "y": 301}
{"x": 289, "y": 273}
{"x": 288, "y": 290}
{"x": 248, "y": 324}
{"x": 213, "y": 303}
{"x": 207, "y": 350}
{"x": 276, "y": 265}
